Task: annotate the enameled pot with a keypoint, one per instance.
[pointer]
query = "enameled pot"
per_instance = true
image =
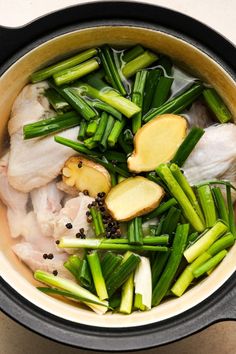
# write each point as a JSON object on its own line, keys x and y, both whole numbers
{"x": 191, "y": 45}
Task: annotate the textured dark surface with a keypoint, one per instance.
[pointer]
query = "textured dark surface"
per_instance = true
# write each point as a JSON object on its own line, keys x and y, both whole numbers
{"x": 221, "y": 305}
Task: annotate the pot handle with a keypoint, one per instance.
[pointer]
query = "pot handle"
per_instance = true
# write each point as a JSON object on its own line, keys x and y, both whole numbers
{"x": 11, "y": 40}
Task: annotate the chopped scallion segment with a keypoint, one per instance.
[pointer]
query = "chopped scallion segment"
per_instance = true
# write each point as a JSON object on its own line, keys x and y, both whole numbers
{"x": 98, "y": 279}
{"x": 216, "y": 105}
{"x": 62, "y": 65}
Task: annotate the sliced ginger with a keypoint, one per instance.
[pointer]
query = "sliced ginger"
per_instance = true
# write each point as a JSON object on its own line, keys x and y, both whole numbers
{"x": 86, "y": 175}
{"x": 133, "y": 197}
{"x": 157, "y": 142}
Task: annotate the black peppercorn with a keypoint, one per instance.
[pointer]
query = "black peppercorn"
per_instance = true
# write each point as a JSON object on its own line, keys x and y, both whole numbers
{"x": 69, "y": 225}
{"x": 101, "y": 194}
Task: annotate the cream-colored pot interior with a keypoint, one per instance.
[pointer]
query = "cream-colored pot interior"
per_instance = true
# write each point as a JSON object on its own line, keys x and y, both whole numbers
{"x": 14, "y": 272}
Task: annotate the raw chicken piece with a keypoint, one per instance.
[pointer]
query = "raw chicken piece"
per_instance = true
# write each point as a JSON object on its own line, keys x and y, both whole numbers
{"x": 31, "y": 249}
{"x": 35, "y": 162}
{"x": 29, "y": 106}
{"x": 214, "y": 157}
{"x": 74, "y": 212}
{"x": 46, "y": 203}
{"x": 33, "y": 258}
{"x": 14, "y": 200}
{"x": 31, "y": 232}
{"x": 198, "y": 115}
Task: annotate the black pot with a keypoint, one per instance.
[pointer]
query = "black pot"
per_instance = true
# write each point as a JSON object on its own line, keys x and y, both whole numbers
{"x": 219, "y": 306}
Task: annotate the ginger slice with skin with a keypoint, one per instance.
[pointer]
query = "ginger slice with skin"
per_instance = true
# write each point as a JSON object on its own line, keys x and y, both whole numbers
{"x": 86, "y": 175}
{"x": 157, "y": 142}
{"x": 133, "y": 197}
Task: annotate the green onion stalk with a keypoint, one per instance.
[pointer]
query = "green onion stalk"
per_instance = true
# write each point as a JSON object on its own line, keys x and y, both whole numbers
{"x": 141, "y": 62}
{"x": 177, "y": 104}
{"x": 208, "y": 205}
{"x": 172, "y": 265}
{"x": 76, "y": 72}
{"x": 62, "y": 65}
{"x": 132, "y": 53}
{"x": 106, "y": 244}
{"x": 204, "y": 242}
{"x": 216, "y": 105}
{"x": 161, "y": 209}
{"x": 69, "y": 286}
{"x": 178, "y": 193}
{"x": 122, "y": 273}
{"x": 51, "y": 125}
{"x": 111, "y": 70}
{"x": 111, "y": 97}
{"x": 137, "y": 98}
{"x": 187, "y": 146}
{"x": 57, "y": 101}
{"x": 143, "y": 294}
{"x": 96, "y": 271}
{"x": 184, "y": 184}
